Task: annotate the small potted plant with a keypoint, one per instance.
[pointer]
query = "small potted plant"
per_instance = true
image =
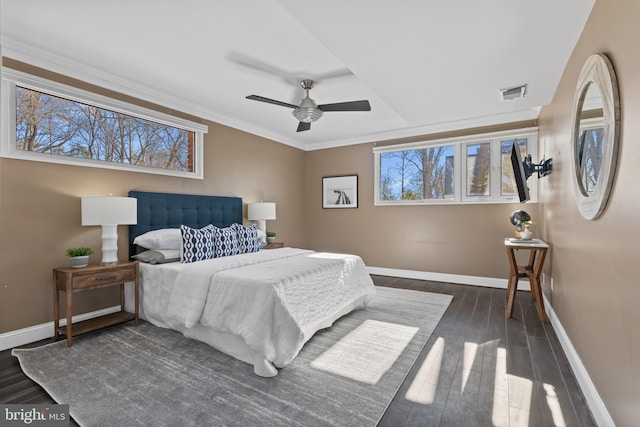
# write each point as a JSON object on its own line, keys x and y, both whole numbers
{"x": 79, "y": 257}
{"x": 271, "y": 237}
{"x": 525, "y": 232}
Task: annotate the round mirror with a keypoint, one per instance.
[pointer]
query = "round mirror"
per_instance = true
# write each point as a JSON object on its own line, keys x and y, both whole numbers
{"x": 596, "y": 135}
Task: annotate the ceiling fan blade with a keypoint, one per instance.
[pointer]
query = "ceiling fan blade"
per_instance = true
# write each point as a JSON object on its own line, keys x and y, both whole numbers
{"x": 347, "y": 106}
{"x": 302, "y": 126}
{"x": 270, "y": 101}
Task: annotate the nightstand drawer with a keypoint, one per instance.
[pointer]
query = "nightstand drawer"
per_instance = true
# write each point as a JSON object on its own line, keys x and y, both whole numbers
{"x": 103, "y": 278}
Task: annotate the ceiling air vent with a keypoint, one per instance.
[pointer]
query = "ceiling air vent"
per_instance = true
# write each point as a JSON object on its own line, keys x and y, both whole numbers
{"x": 515, "y": 92}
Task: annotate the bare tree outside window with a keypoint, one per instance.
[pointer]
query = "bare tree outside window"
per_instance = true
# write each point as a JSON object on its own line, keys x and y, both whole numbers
{"x": 479, "y": 169}
{"x": 419, "y": 174}
{"x": 53, "y": 125}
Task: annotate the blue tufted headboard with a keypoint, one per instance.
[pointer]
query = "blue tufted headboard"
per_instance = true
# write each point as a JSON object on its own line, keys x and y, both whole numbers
{"x": 169, "y": 210}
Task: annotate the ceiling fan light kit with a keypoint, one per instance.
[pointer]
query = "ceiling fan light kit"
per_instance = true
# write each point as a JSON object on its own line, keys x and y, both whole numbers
{"x": 307, "y": 114}
{"x": 308, "y": 111}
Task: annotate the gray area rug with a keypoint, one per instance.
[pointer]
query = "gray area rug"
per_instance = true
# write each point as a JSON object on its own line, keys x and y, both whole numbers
{"x": 344, "y": 376}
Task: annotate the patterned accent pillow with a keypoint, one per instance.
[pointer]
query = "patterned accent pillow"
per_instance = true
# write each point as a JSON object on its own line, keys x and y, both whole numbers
{"x": 197, "y": 244}
{"x": 225, "y": 242}
{"x": 247, "y": 238}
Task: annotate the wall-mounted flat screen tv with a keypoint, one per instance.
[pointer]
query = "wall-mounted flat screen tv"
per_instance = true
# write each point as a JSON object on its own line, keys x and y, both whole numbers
{"x": 518, "y": 172}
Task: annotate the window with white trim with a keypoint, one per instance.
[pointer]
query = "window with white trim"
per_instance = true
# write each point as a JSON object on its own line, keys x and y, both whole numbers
{"x": 51, "y": 122}
{"x": 471, "y": 169}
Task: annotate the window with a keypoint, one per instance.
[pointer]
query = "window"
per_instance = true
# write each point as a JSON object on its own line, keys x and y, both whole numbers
{"x": 47, "y": 121}
{"x": 473, "y": 169}
{"x": 478, "y": 162}
{"x": 417, "y": 174}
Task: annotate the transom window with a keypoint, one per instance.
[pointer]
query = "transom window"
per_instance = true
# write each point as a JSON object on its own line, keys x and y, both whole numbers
{"x": 57, "y": 123}
{"x": 473, "y": 169}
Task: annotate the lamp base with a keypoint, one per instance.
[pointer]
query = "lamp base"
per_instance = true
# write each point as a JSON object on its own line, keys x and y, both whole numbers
{"x": 109, "y": 244}
{"x": 261, "y": 225}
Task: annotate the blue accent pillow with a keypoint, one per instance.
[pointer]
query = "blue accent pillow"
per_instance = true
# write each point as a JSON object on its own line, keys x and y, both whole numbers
{"x": 197, "y": 244}
{"x": 247, "y": 238}
{"x": 225, "y": 242}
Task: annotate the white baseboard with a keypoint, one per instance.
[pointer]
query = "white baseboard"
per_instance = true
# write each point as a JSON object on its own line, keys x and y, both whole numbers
{"x": 490, "y": 282}
{"x": 45, "y": 330}
{"x": 598, "y": 410}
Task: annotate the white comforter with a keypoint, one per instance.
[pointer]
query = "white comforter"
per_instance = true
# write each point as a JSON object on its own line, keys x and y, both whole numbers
{"x": 275, "y": 300}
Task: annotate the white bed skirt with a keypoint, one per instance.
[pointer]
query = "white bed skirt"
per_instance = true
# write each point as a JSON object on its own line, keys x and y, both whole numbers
{"x": 230, "y": 344}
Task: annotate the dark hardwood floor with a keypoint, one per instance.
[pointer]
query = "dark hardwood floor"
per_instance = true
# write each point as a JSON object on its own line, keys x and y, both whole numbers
{"x": 477, "y": 369}
{"x": 480, "y": 368}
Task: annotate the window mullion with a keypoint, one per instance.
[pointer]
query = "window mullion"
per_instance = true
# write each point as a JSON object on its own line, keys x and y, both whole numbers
{"x": 496, "y": 170}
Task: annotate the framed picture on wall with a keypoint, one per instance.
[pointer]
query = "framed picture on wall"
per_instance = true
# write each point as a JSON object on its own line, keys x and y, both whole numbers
{"x": 340, "y": 192}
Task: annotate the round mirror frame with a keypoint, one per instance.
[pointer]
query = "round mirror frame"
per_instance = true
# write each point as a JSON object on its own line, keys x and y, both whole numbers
{"x": 599, "y": 71}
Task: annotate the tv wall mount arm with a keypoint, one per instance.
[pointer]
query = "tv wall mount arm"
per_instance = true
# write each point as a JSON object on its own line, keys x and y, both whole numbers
{"x": 543, "y": 168}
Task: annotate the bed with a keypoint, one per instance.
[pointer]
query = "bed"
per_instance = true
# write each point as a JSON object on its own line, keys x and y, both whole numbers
{"x": 257, "y": 305}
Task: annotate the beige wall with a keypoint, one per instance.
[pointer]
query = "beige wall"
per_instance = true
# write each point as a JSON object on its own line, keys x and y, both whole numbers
{"x": 40, "y": 212}
{"x": 453, "y": 239}
{"x": 595, "y": 263}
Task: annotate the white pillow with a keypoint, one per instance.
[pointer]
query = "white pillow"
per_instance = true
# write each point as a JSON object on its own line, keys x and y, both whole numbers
{"x": 164, "y": 238}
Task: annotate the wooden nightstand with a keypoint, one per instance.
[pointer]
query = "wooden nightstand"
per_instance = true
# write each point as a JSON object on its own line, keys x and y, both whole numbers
{"x": 275, "y": 245}
{"x": 72, "y": 280}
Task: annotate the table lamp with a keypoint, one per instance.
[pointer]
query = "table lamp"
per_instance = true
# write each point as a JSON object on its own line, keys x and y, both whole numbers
{"x": 261, "y": 212}
{"x": 108, "y": 212}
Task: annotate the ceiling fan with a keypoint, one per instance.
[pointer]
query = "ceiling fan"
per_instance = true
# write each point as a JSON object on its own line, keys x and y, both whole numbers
{"x": 308, "y": 111}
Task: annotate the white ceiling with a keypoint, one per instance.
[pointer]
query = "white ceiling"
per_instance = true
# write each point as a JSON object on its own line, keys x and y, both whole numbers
{"x": 425, "y": 65}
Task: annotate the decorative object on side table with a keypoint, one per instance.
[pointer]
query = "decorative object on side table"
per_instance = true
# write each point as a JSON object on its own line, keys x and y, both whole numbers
{"x": 79, "y": 257}
{"x": 522, "y": 220}
{"x": 525, "y": 234}
{"x": 271, "y": 237}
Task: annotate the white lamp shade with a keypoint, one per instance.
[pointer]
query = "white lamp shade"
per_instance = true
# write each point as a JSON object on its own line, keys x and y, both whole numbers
{"x": 262, "y": 210}
{"x": 109, "y": 210}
